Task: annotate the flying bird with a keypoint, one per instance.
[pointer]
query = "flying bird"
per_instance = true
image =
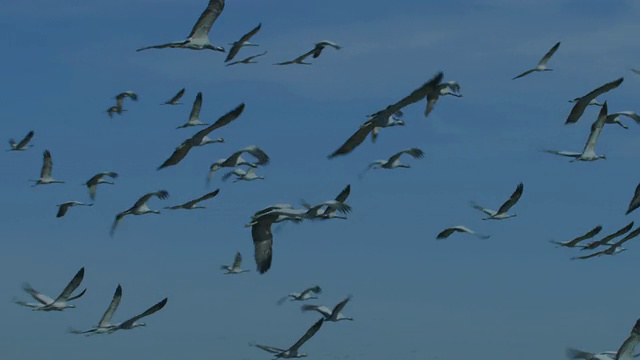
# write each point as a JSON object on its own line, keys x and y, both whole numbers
{"x": 614, "y": 118}
{"x": 460, "y": 228}
{"x": 394, "y": 161}
{"x": 194, "y": 116}
{"x": 451, "y": 88}
{"x": 330, "y": 212}
{"x": 198, "y": 39}
{"x": 247, "y": 60}
{"x": 99, "y": 178}
{"x": 306, "y": 294}
{"x": 45, "y": 172}
{"x": 236, "y": 159}
{"x": 235, "y": 268}
{"x": 23, "y": 144}
{"x": 635, "y": 201}
{"x": 243, "y": 175}
{"x": 190, "y": 205}
{"x": 62, "y": 208}
{"x": 542, "y": 65}
{"x": 292, "y": 352}
{"x": 330, "y": 315}
{"x": 115, "y": 109}
{"x": 133, "y": 322}
{"x": 244, "y": 41}
{"x": 262, "y": 235}
{"x": 583, "y": 102}
{"x": 126, "y": 94}
{"x": 608, "y": 238}
{"x": 61, "y": 302}
{"x": 104, "y": 326}
{"x": 175, "y": 98}
{"x": 501, "y": 214}
{"x": 386, "y": 117}
{"x": 574, "y": 242}
{"x": 299, "y": 60}
{"x": 318, "y": 47}
{"x": 613, "y": 248}
{"x": 589, "y": 152}
{"x": 628, "y": 347}
{"x": 201, "y": 137}
{"x": 140, "y": 208}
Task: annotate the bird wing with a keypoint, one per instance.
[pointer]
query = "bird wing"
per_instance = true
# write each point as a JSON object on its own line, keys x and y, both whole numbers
{"x": 237, "y": 172}
{"x": 415, "y": 152}
{"x": 271, "y": 349}
{"x": 312, "y": 330}
{"x": 578, "y": 354}
{"x": 609, "y": 237}
{"x": 315, "y": 289}
{"x": 355, "y": 140}
{"x": 47, "y": 165}
{"x": 162, "y": 46}
{"x": 263, "y": 158}
{"x": 628, "y": 346}
{"x": 512, "y": 200}
{"x": 149, "y": 311}
{"x": 549, "y": 54}
{"x": 596, "y": 129}
{"x": 26, "y": 140}
{"x": 176, "y": 97}
{"x": 42, "y": 298}
{"x": 237, "y": 45}
{"x": 162, "y": 194}
{"x": 237, "y": 262}
{"x": 321, "y": 309}
{"x": 116, "y": 221}
{"x": 262, "y": 242}
{"x": 416, "y": 95}
{"x": 586, "y": 236}
{"x": 583, "y": 102}
{"x": 564, "y": 153}
{"x": 298, "y": 59}
{"x": 484, "y": 210}
{"x": 524, "y": 74}
{"x": 635, "y": 201}
{"x": 344, "y": 194}
{"x": 207, "y": 18}
{"x": 195, "y": 109}
{"x": 222, "y": 121}
{"x": 338, "y": 308}
{"x": 115, "y": 302}
{"x": 630, "y": 114}
{"x": 62, "y": 209}
{"x": 202, "y": 198}
{"x": 629, "y": 236}
{"x": 178, "y": 154}
{"x": 598, "y": 253}
{"x": 72, "y": 286}
{"x": 447, "y": 232}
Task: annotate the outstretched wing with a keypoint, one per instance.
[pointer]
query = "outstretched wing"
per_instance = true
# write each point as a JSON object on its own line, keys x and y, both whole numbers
{"x": 635, "y": 201}
{"x": 262, "y": 243}
{"x": 549, "y": 54}
{"x": 236, "y": 47}
{"x": 72, "y": 286}
{"x": 115, "y": 302}
{"x": 583, "y": 102}
{"x": 596, "y": 129}
{"x": 354, "y": 141}
{"x": 195, "y": 109}
{"x": 178, "y": 154}
{"x": 415, "y": 152}
{"x": 44, "y": 299}
{"x": 202, "y": 198}
{"x": 338, "y": 308}
{"x": 127, "y": 324}
{"x": 47, "y": 165}
{"x": 176, "y": 97}
{"x": 237, "y": 262}
{"x": 25, "y": 141}
{"x": 512, "y": 200}
{"x": 162, "y": 194}
{"x": 207, "y": 18}
{"x": 222, "y": 121}
{"x": 524, "y": 74}
{"x": 308, "y": 335}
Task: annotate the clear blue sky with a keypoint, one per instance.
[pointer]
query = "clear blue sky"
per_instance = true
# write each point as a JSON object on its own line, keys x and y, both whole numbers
{"x": 511, "y": 296}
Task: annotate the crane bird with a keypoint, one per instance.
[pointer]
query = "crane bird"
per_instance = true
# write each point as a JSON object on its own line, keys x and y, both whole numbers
{"x": 175, "y": 98}
{"x": 330, "y": 212}
{"x": 501, "y": 214}
{"x": 126, "y": 94}
{"x": 302, "y": 296}
{"x": 613, "y": 248}
{"x": 319, "y": 46}
{"x": 45, "y": 172}
{"x": 394, "y": 161}
{"x": 588, "y": 153}
{"x": 194, "y": 116}
{"x": 106, "y": 327}
{"x": 583, "y": 102}
{"x": 459, "y": 228}
{"x": 292, "y": 352}
{"x": 299, "y": 60}
{"x": 115, "y": 109}
{"x": 198, "y": 38}
{"x": 605, "y": 241}
{"x": 451, "y": 88}
{"x": 242, "y": 175}
{"x": 542, "y": 64}
{"x": 244, "y": 41}
{"x": 384, "y": 118}
{"x": 628, "y": 347}
{"x": 92, "y": 184}
{"x": 140, "y": 208}
{"x": 635, "y": 201}
{"x": 235, "y": 268}
{"x": 23, "y": 144}
{"x": 247, "y": 60}
{"x": 330, "y": 315}
{"x": 614, "y": 118}
{"x": 61, "y": 302}
{"x": 604, "y": 355}
{"x": 190, "y": 205}
{"x": 574, "y": 242}
{"x": 64, "y": 207}
{"x": 236, "y": 159}
{"x": 201, "y": 137}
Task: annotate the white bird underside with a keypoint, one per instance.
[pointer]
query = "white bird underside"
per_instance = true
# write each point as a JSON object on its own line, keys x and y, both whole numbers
{"x": 61, "y": 302}
{"x": 542, "y": 64}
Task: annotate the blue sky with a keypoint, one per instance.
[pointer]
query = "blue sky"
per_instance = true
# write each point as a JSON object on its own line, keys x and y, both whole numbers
{"x": 513, "y": 295}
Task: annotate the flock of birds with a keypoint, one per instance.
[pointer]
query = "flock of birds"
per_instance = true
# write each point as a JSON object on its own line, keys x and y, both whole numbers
{"x": 262, "y": 220}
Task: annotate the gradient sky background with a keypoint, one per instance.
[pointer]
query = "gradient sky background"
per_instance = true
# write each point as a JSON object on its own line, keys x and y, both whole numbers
{"x": 512, "y": 296}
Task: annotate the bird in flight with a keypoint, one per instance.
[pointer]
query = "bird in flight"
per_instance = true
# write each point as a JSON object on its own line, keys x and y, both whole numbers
{"x": 542, "y": 64}
{"x": 501, "y": 214}
{"x": 92, "y": 184}
{"x": 574, "y": 242}
{"x": 244, "y": 41}
{"x": 198, "y": 38}
{"x": 45, "y": 171}
{"x": 292, "y": 352}
{"x": 62, "y": 208}
{"x": 583, "y": 102}
{"x": 247, "y": 60}
{"x": 140, "y": 208}
{"x": 61, "y": 302}
{"x": 302, "y": 296}
{"x": 23, "y": 144}
{"x": 174, "y": 100}
{"x": 235, "y": 268}
{"x": 190, "y": 205}
{"x": 330, "y": 315}
{"x": 459, "y": 228}
{"x": 589, "y": 152}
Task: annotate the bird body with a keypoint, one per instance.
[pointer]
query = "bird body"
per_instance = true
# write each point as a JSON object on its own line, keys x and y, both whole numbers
{"x": 139, "y": 208}
{"x": 61, "y": 302}
{"x": 574, "y": 242}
